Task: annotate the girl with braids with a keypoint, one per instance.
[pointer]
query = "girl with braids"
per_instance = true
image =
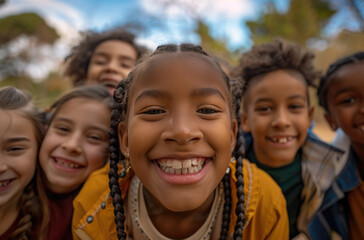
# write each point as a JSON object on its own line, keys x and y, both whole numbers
{"x": 341, "y": 94}
{"x": 276, "y": 118}
{"x": 103, "y": 58}
{"x": 172, "y": 174}
{"x": 75, "y": 145}
{"x": 23, "y": 211}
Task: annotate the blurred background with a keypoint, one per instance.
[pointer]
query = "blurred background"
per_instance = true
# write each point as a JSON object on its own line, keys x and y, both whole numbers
{"x": 36, "y": 35}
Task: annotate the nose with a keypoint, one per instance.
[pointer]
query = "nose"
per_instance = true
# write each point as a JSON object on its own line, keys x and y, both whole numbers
{"x": 112, "y": 66}
{"x": 281, "y": 119}
{"x": 3, "y": 166}
{"x": 182, "y": 129}
{"x": 72, "y": 144}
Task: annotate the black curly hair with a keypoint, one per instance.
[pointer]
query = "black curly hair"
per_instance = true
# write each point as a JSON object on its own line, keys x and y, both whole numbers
{"x": 78, "y": 60}
{"x": 334, "y": 68}
{"x": 275, "y": 55}
{"x": 119, "y": 114}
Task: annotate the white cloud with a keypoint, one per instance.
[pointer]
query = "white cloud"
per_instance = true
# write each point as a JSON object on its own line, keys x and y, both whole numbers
{"x": 207, "y": 9}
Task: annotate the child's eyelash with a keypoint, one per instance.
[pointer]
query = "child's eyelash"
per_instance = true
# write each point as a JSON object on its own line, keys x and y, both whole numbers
{"x": 153, "y": 111}
{"x": 208, "y": 110}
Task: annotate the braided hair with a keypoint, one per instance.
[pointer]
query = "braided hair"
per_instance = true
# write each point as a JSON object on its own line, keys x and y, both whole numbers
{"x": 34, "y": 213}
{"x": 272, "y": 56}
{"x": 119, "y": 114}
{"x": 334, "y": 68}
{"x": 79, "y": 58}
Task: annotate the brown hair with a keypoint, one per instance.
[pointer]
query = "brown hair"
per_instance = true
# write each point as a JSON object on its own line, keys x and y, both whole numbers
{"x": 275, "y": 55}
{"x": 91, "y": 92}
{"x": 79, "y": 58}
{"x": 34, "y": 212}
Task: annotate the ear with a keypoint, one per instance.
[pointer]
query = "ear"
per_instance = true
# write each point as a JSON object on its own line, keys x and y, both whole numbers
{"x": 244, "y": 122}
{"x": 234, "y": 131}
{"x": 311, "y": 110}
{"x": 123, "y": 138}
{"x": 331, "y": 121}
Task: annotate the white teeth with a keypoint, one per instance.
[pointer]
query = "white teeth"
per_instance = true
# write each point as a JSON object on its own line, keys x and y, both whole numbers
{"x": 4, "y": 183}
{"x": 192, "y": 165}
{"x": 282, "y": 140}
{"x": 69, "y": 165}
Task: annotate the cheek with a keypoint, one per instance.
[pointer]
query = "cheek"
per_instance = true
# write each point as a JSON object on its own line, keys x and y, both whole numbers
{"x": 92, "y": 71}
{"x": 96, "y": 156}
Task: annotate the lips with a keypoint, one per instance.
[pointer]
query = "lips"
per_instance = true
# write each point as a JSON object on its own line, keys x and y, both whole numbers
{"x": 281, "y": 139}
{"x": 67, "y": 163}
{"x": 4, "y": 183}
{"x": 178, "y": 167}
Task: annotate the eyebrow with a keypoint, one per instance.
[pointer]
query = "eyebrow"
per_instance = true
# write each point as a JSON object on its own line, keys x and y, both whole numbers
{"x": 18, "y": 139}
{"x": 152, "y": 93}
{"x": 290, "y": 98}
{"x": 69, "y": 121}
{"x": 205, "y": 92}
{"x": 104, "y": 54}
{"x": 343, "y": 91}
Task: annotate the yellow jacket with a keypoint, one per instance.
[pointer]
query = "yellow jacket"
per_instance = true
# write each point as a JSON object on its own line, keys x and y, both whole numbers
{"x": 265, "y": 206}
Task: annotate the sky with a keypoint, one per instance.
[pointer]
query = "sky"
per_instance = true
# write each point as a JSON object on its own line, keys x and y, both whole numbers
{"x": 165, "y": 23}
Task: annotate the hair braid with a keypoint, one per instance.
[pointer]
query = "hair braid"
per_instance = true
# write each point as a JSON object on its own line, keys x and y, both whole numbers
{"x": 227, "y": 207}
{"x": 239, "y": 151}
{"x": 30, "y": 213}
{"x": 334, "y": 67}
{"x": 118, "y": 114}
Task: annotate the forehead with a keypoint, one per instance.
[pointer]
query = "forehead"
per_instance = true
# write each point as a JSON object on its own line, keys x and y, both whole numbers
{"x": 349, "y": 75}
{"x": 282, "y": 79}
{"x": 13, "y": 123}
{"x": 180, "y": 71}
{"x": 115, "y": 46}
{"x": 81, "y": 106}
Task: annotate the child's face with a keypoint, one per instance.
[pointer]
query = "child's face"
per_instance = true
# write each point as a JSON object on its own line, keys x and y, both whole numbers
{"x": 75, "y": 144}
{"x": 278, "y": 116}
{"x": 179, "y": 131}
{"x": 110, "y": 63}
{"x": 18, "y": 155}
{"x": 345, "y": 100}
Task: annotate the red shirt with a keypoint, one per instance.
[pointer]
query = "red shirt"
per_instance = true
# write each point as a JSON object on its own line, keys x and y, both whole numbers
{"x": 61, "y": 210}
{"x": 6, "y": 235}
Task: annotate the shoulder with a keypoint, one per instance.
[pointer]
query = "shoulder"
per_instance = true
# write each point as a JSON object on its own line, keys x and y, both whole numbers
{"x": 265, "y": 205}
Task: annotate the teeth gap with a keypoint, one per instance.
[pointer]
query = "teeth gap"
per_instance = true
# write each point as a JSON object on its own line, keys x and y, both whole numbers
{"x": 4, "y": 183}
{"x": 69, "y": 165}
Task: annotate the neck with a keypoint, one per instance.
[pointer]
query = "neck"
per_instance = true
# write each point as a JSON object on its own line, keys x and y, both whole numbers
{"x": 8, "y": 213}
{"x": 359, "y": 150}
{"x": 176, "y": 225}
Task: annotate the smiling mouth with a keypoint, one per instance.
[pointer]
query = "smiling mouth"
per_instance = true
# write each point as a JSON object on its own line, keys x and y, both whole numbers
{"x": 281, "y": 139}
{"x": 67, "y": 164}
{"x": 178, "y": 167}
{"x": 5, "y": 183}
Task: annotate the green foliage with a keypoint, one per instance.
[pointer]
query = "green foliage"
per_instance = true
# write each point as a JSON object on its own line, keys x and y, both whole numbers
{"x": 29, "y": 24}
{"x": 303, "y": 20}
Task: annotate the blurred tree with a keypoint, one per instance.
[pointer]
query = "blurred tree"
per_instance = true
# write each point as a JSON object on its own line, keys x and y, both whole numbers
{"x": 29, "y": 24}
{"x": 303, "y": 20}
{"x": 21, "y": 37}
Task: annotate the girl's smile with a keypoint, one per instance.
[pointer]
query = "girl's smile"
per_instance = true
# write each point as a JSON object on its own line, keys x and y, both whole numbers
{"x": 176, "y": 171}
